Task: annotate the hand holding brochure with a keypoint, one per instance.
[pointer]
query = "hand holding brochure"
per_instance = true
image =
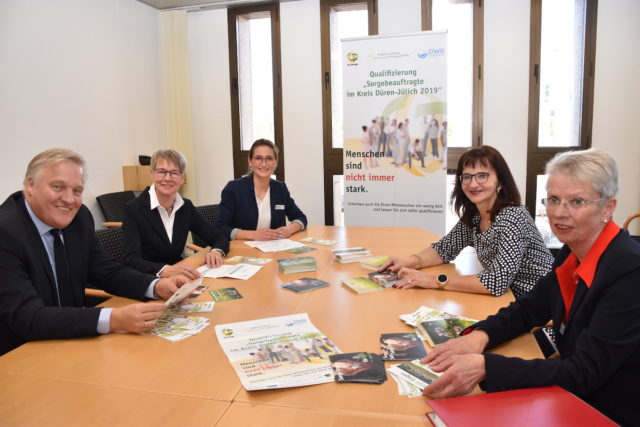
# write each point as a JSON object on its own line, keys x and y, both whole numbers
{"x": 182, "y": 292}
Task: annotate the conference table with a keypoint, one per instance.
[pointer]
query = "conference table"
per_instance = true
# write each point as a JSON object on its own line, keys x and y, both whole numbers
{"x": 131, "y": 379}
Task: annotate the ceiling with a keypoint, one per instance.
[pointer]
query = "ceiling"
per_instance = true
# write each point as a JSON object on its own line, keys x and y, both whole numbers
{"x": 197, "y": 4}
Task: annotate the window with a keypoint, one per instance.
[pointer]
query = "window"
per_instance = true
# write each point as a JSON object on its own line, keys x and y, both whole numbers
{"x": 560, "y": 90}
{"x": 256, "y": 100}
{"x": 463, "y": 19}
{"x": 339, "y": 19}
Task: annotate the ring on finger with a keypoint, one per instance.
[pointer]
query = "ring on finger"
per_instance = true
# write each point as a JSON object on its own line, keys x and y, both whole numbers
{"x": 145, "y": 323}
{"x": 410, "y": 281}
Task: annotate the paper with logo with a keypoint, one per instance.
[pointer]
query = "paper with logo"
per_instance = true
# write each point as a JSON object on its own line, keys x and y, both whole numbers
{"x": 274, "y": 245}
{"x": 277, "y": 352}
{"x": 234, "y": 271}
{"x": 247, "y": 260}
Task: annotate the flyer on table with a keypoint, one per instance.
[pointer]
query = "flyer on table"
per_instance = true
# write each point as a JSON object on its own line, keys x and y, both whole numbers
{"x": 395, "y": 130}
{"x": 285, "y": 351}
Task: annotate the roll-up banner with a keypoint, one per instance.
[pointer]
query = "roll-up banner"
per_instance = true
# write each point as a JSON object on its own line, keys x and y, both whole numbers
{"x": 395, "y": 130}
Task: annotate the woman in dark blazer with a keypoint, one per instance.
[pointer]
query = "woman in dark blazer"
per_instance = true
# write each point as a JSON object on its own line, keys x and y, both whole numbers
{"x": 156, "y": 223}
{"x": 255, "y": 207}
{"x": 592, "y": 295}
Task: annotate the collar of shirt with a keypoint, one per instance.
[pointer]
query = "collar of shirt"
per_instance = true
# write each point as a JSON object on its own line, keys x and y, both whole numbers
{"x": 571, "y": 270}
{"x": 153, "y": 200}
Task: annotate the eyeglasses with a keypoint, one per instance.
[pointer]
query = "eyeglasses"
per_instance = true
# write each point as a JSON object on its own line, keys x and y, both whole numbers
{"x": 268, "y": 159}
{"x": 574, "y": 204}
{"x": 481, "y": 177}
{"x": 163, "y": 172}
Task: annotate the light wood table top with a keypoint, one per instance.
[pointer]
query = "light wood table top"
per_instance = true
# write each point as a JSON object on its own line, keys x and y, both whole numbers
{"x": 35, "y": 401}
{"x": 197, "y": 368}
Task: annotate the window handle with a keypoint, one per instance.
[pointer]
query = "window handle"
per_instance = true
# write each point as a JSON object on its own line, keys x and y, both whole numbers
{"x": 327, "y": 80}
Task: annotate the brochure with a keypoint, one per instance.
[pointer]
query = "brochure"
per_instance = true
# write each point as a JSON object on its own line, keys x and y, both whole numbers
{"x": 239, "y": 259}
{"x": 362, "y": 285}
{"x": 362, "y": 367}
{"x": 277, "y": 352}
{"x": 225, "y": 294}
{"x": 274, "y": 245}
{"x": 317, "y": 241}
{"x": 305, "y": 284}
{"x": 385, "y": 278}
{"x": 401, "y": 346}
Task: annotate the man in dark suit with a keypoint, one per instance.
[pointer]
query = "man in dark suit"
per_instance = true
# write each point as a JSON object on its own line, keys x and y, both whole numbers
{"x": 49, "y": 253}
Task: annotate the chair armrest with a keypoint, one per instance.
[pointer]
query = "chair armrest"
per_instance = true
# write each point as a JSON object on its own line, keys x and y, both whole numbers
{"x": 96, "y": 293}
{"x": 629, "y": 219}
{"x": 194, "y": 247}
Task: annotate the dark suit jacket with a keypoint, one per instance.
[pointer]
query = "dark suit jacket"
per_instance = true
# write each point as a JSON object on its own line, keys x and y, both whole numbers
{"x": 146, "y": 245}
{"x": 28, "y": 308}
{"x": 600, "y": 348}
{"x": 238, "y": 208}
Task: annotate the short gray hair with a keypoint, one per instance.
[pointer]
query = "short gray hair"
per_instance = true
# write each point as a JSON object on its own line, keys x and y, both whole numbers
{"x": 51, "y": 156}
{"x": 592, "y": 166}
{"x": 172, "y": 156}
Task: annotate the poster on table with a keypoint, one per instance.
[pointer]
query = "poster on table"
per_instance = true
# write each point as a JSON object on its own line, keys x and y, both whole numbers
{"x": 277, "y": 352}
{"x": 395, "y": 130}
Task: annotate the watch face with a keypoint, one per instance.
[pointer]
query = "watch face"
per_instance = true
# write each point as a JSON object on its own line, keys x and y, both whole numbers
{"x": 442, "y": 278}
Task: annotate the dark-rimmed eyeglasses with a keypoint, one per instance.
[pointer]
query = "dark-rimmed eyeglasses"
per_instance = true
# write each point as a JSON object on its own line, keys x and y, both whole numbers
{"x": 175, "y": 174}
{"x": 260, "y": 159}
{"x": 481, "y": 177}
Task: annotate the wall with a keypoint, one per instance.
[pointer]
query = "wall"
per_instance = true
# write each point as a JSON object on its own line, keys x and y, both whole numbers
{"x": 85, "y": 74}
{"x": 617, "y": 97}
{"x": 80, "y": 74}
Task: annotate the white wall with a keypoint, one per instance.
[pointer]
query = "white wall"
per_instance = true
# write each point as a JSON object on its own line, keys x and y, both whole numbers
{"x": 616, "y": 109}
{"x": 85, "y": 74}
{"x": 80, "y": 74}
{"x": 302, "y": 105}
{"x": 399, "y": 16}
{"x": 506, "y": 82}
{"x": 210, "y": 103}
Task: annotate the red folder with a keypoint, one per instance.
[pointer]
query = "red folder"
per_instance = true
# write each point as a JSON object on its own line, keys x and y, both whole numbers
{"x": 544, "y": 406}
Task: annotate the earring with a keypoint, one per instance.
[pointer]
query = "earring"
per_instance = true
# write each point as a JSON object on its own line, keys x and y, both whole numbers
{"x": 605, "y": 220}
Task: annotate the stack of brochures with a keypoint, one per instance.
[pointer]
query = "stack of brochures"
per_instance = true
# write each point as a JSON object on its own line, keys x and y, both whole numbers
{"x": 373, "y": 263}
{"x": 347, "y": 255}
{"x": 305, "y": 284}
{"x": 297, "y": 265}
{"x": 362, "y": 285}
{"x": 412, "y": 377}
{"x": 286, "y": 351}
{"x": 436, "y": 327}
{"x": 362, "y": 367}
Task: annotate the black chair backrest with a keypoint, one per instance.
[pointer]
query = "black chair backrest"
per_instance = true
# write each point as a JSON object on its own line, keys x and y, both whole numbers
{"x": 112, "y": 239}
{"x": 208, "y": 212}
{"x": 111, "y": 204}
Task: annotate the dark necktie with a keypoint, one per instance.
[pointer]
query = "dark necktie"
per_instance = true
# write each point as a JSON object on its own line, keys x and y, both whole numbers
{"x": 65, "y": 291}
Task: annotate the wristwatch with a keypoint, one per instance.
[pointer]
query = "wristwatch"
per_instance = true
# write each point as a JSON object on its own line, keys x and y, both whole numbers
{"x": 442, "y": 280}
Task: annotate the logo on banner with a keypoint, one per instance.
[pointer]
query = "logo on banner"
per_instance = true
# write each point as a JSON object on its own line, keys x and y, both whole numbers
{"x": 426, "y": 53}
{"x": 352, "y": 57}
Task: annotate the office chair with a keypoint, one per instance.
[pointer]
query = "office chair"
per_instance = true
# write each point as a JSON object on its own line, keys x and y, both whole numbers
{"x": 628, "y": 221}
{"x": 112, "y": 240}
{"x": 111, "y": 204}
{"x": 208, "y": 212}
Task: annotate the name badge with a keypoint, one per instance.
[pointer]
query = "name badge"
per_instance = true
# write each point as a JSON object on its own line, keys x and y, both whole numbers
{"x": 279, "y": 207}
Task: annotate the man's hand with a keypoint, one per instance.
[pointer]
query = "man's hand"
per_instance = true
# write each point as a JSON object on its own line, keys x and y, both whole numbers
{"x": 180, "y": 268}
{"x": 465, "y": 372}
{"x": 167, "y": 287}
{"x": 441, "y": 357}
{"x": 135, "y": 317}
{"x": 214, "y": 259}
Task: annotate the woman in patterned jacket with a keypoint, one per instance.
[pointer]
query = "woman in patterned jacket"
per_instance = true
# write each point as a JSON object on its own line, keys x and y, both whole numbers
{"x": 493, "y": 221}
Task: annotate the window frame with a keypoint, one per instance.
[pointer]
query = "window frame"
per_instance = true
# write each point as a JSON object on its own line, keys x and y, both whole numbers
{"x": 333, "y": 157}
{"x": 537, "y": 157}
{"x": 454, "y": 153}
{"x": 239, "y": 155}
